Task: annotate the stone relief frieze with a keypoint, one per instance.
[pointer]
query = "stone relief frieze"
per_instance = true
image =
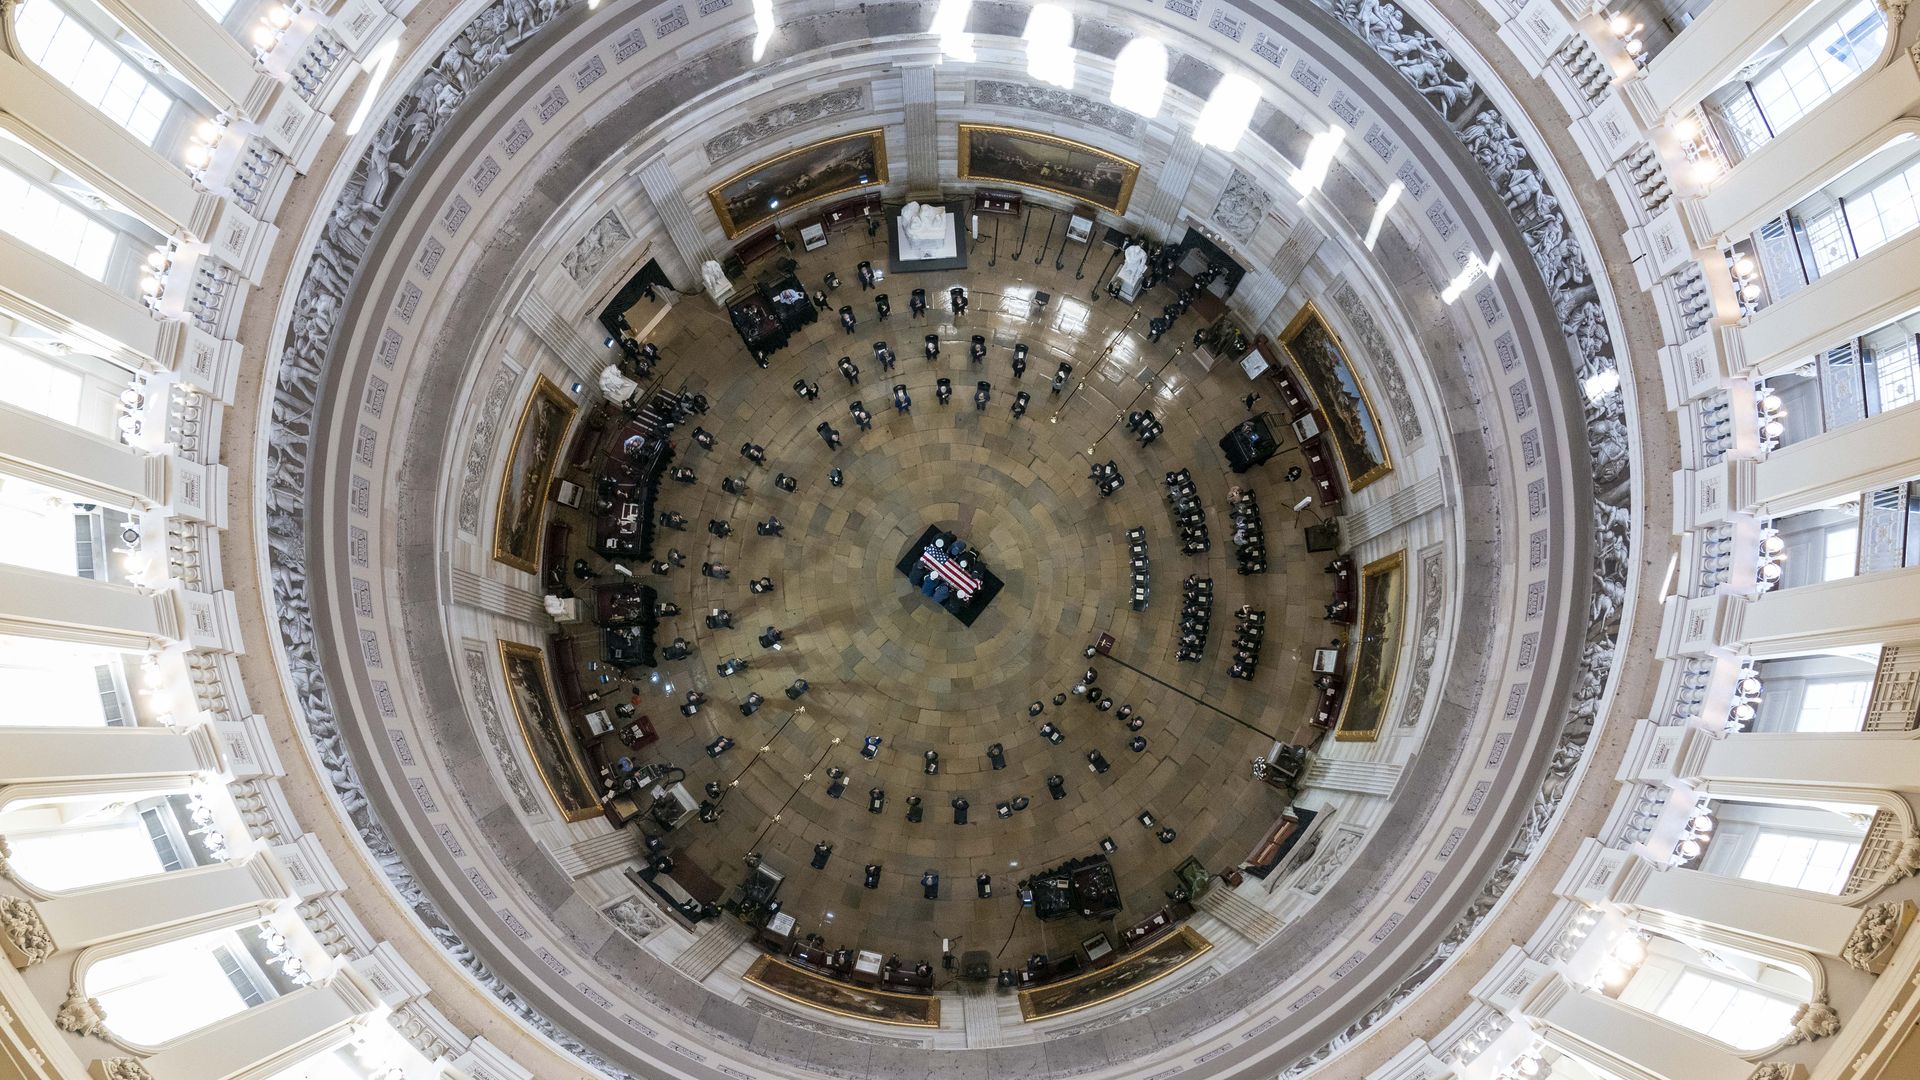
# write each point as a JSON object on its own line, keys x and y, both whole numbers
{"x": 480, "y": 681}
{"x": 1055, "y": 102}
{"x": 1386, "y": 366}
{"x": 766, "y": 125}
{"x": 1241, "y": 207}
{"x": 486, "y": 432}
{"x": 1510, "y": 168}
{"x": 592, "y": 251}
{"x": 633, "y": 918}
{"x": 1426, "y": 642}
{"x": 482, "y": 46}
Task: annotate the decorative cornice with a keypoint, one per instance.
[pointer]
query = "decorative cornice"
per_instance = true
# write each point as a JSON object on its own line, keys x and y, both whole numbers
{"x": 1814, "y": 1020}
{"x": 28, "y": 941}
{"x": 122, "y": 1068}
{"x": 81, "y": 1015}
{"x": 1874, "y": 937}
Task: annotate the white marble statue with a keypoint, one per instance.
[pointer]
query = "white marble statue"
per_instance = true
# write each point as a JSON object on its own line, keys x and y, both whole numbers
{"x": 714, "y": 278}
{"x": 923, "y": 223}
{"x": 617, "y": 387}
{"x": 1133, "y": 267}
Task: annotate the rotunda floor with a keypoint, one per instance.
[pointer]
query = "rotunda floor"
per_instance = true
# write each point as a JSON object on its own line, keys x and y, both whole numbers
{"x": 882, "y": 660}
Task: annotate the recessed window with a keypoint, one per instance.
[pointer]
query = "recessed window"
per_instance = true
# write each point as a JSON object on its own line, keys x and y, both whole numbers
{"x": 1140, "y": 76}
{"x": 94, "y": 70}
{"x": 35, "y": 215}
{"x": 1049, "y": 39}
{"x": 1227, "y": 113}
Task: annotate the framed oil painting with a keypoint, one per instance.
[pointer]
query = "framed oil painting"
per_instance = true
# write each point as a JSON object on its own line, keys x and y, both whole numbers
{"x": 843, "y": 999}
{"x": 537, "y": 440}
{"x": 798, "y": 177}
{"x": 1383, "y": 586}
{"x": 1048, "y": 162}
{"x": 1151, "y": 964}
{"x": 1350, "y": 420}
{"x": 544, "y": 727}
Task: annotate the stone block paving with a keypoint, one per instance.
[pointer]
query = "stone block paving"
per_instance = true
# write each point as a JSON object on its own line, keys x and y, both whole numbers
{"x": 881, "y": 660}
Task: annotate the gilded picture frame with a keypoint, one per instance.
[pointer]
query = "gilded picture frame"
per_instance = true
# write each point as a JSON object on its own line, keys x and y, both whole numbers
{"x": 1101, "y": 985}
{"x": 830, "y": 995}
{"x": 1376, "y": 662}
{"x": 1032, "y": 159}
{"x": 805, "y": 175}
{"x": 1346, "y": 409}
{"x": 538, "y": 438}
{"x": 543, "y": 726}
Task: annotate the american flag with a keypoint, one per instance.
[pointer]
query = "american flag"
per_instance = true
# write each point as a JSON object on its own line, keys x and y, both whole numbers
{"x": 942, "y": 564}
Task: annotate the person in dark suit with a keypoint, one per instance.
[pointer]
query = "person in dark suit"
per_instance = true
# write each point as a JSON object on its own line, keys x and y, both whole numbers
{"x": 883, "y": 354}
{"x": 882, "y": 307}
{"x": 830, "y": 436}
{"x": 847, "y": 321}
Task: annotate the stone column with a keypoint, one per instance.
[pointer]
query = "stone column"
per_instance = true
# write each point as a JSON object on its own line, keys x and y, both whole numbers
{"x": 79, "y": 138}
{"x": 1844, "y": 129}
{"x": 1850, "y": 760}
{"x": 205, "y": 53}
{"x": 1869, "y": 292}
{"x": 63, "y": 299}
{"x": 43, "y": 755}
{"x": 61, "y": 607}
{"x": 1358, "y": 777}
{"x": 568, "y": 340}
{"x": 83, "y": 917}
{"x": 1259, "y": 293}
{"x": 48, "y": 452}
{"x": 1864, "y": 610}
{"x": 1717, "y": 43}
{"x": 270, "y": 1037}
{"x": 1162, "y": 208}
{"x": 1651, "y": 1045}
{"x": 1783, "y": 916}
{"x": 670, "y": 202}
{"x": 923, "y": 139}
{"x": 1411, "y": 502}
{"x": 1861, "y": 456}
{"x": 1296, "y": 252}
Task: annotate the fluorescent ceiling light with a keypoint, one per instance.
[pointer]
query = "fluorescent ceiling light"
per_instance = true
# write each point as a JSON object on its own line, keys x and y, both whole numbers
{"x": 1228, "y": 111}
{"x": 1387, "y": 203}
{"x": 950, "y": 24}
{"x": 1140, "y": 76}
{"x": 762, "y": 27}
{"x": 1313, "y": 169}
{"x": 1050, "y": 45}
{"x": 377, "y": 64}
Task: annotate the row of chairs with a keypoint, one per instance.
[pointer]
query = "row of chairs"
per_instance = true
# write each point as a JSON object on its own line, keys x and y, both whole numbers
{"x": 1196, "y": 618}
{"x": 1249, "y": 539}
{"x": 1250, "y": 626}
{"x": 1188, "y": 516}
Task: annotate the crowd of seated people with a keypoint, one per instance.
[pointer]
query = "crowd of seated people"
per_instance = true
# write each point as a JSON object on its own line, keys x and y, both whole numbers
{"x": 1183, "y": 499}
{"x": 1250, "y": 626}
{"x": 1249, "y": 539}
{"x": 1196, "y": 617}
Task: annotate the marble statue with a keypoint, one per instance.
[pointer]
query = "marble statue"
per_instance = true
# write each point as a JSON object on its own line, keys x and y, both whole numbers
{"x": 617, "y": 387}
{"x": 1133, "y": 267}
{"x": 714, "y": 278}
{"x": 923, "y": 223}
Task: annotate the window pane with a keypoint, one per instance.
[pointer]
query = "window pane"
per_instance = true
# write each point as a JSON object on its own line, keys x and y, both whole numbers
{"x": 1736, "y": 1015}
{"x": 46, "y": 221}
{"x": 93, "y": 69}
{"x": 1834, "y": 705}
{"x": 1807, "y": 76}
{"x": 1842, "y": 552}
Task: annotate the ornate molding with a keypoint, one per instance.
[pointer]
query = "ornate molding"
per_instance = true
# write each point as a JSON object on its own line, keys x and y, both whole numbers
{"x": 592, "y": 250}
{"x": 1874, "y": 937}
{"x": 1814, "y": 1020}
{"x": 81, "y": 1015}
{"x": 123, "y": 1068}
{"x": 1054, "y": 102}
{"x": 1774, "y": 1070}
{"x": 766, "y": 125}
{"x": 27, "y": 941}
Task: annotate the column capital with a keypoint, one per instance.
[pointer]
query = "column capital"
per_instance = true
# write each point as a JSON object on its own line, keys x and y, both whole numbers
{"x": 27, "y": 939}
{"x": 120, "y": 1068}
{"x": 1775, "y": 1070}
{"x": 1874, "y": 938}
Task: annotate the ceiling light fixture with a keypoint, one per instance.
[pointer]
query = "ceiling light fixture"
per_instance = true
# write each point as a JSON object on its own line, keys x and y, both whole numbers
{"x": 1228, "y": 111}
{"x": 1049, "y": 38}
{"x": 1140, "y": 77}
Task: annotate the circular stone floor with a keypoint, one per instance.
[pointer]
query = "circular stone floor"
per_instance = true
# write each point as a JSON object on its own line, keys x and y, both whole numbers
{"x": 882, "y": 660}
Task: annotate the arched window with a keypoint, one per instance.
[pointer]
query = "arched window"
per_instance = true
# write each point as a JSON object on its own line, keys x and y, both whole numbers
{"x": 38, "y": 215}
{"x": 1743, "y": 999}
{"x": 1050, "y": 53}
{"x": 1227, "y": 113}
{"x": 92, "y": 68}
{"x": 45, "y": 528}
{"x": 1140, "y": 76}
{"x": 157, "y": 994}
{"x": 61, "y": 684}
{"x": 1825, "y": 57}
{"x": 1793, "y": 845}
{"x": 76, "y": 841}
{"x": 1824, "y": 692}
